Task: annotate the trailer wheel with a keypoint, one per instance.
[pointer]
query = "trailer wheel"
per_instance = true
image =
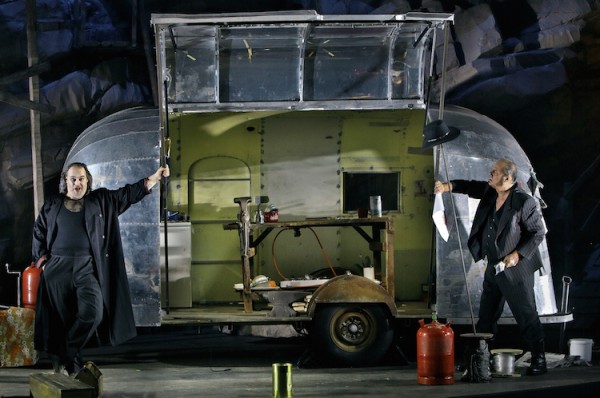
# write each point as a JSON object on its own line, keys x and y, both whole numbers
{"x": 353, "y": 334}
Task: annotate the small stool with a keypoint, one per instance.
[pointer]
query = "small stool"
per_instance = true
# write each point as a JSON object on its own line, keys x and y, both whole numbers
{"x": 477, "y": 357}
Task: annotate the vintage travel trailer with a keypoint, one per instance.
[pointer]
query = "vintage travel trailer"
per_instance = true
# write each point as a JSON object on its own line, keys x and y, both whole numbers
{"x": 278, "y": 129}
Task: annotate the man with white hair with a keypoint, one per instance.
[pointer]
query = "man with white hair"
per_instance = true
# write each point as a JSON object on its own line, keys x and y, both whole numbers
{"x": 507, "y": 230}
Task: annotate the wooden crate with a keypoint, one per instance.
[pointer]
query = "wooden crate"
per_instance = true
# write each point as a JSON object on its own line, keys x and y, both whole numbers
{"x": 58, "y": 385}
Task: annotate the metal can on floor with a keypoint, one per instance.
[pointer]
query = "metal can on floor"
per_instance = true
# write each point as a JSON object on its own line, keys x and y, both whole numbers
{"x": 282, "y": 380}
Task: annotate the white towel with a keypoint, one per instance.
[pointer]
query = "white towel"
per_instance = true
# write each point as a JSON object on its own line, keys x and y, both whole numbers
{"x": 439, "y": 217}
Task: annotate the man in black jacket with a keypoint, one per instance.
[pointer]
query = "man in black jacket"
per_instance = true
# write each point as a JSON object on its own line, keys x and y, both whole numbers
{"x": 83, "y": 288}
{"x": 507, "y": 230}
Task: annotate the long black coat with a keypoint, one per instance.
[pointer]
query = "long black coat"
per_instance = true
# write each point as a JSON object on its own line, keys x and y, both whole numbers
{"x": 520, "y": 228}
{"x": 102, "y": 208}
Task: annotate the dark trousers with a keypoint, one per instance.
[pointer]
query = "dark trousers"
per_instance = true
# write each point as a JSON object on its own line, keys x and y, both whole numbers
{"x": 75, "y": 302}
{"x": 515, "y": 287}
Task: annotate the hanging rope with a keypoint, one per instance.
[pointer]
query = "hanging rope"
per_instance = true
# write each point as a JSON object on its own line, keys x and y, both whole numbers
{"x": 276, "y": 265}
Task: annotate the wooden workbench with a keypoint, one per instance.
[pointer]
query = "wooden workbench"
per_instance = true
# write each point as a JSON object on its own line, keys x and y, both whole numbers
{"x": 380, "y": 239}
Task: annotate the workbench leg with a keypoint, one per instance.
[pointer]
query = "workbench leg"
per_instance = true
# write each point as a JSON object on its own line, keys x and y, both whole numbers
{"x": 246, "y": 292}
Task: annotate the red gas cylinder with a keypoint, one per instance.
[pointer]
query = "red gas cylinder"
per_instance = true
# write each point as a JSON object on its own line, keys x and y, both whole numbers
{"x": 29, "y": 285}
{"x": 435, "y": 353}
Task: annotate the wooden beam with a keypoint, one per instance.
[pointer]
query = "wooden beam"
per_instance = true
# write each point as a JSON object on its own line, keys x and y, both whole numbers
{"x": 34, "y": 115}
{"x": 23, "y": 103}
{"x": 24, "y": 74}
{"x": 148, "y": 46}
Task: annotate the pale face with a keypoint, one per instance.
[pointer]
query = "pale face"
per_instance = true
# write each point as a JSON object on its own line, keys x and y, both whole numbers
{"x": 497, "y": 179}
{"x": 77, "y": 181}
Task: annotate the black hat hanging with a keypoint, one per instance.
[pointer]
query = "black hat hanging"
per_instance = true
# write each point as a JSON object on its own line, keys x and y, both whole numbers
{"x": 438, "y": 132}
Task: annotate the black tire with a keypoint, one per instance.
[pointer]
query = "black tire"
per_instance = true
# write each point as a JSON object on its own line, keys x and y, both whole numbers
{"x": 352, "y": 334}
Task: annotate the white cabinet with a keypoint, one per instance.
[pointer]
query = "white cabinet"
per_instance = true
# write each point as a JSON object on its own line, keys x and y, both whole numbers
{"x": 180, "y": 263}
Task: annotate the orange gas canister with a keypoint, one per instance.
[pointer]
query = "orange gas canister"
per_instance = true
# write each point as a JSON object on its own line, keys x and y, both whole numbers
{"x": 31, "y": 279}
{"x": 435, "y": 353}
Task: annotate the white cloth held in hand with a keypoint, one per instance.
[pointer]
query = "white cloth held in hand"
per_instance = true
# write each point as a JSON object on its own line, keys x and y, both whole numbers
{"x": 439, "y": 217}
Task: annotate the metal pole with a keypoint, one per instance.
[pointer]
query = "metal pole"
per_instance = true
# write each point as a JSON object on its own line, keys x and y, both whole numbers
{"x": 462, "y": 255}
{"x": 443, "y": 155}
{"x": 443, "y": 87}
{"x": 18, "y": 273}
{"x": 163, "y": 196}
{"x": 564, "y": 309}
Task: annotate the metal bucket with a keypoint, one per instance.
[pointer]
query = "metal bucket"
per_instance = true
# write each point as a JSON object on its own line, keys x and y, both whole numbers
{"x": 581, "y": 348}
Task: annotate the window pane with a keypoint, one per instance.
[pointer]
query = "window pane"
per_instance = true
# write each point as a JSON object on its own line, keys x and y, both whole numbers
{"x": 259, "y": 64}
{"x": 359, "y": 186}
{"x": 191, "y": 64}
{"x": 343, "y": 62}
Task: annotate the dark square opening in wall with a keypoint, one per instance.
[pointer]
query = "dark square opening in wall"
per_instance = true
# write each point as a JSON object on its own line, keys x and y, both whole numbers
{"x": 358, "y": 187}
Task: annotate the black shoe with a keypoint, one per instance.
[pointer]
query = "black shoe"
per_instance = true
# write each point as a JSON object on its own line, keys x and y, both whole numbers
{"x": 74, "y": 365}
{"x": 538, "y": 365}
{"x": 57, "y": 365}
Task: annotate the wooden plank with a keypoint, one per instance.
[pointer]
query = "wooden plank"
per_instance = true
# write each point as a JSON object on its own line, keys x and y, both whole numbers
{"x": 34, "y": 116}
{"x": 12, "y": 99}
{"x": 34, "y": 70}
{"x": 143, "y": 15}
{"x": 58, "y": 385}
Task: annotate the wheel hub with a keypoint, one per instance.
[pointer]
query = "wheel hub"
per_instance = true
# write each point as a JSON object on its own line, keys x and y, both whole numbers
{"x": 352, "y": 328}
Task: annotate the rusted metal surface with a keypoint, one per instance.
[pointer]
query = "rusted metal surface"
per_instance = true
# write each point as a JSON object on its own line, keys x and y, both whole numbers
{"x": 350, "y": 289}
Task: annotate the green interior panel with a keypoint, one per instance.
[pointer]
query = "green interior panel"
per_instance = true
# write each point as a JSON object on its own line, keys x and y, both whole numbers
{"x": 221, "y": 156}
{"x": 213, "y": 283}
{"x": 211, "y": 242}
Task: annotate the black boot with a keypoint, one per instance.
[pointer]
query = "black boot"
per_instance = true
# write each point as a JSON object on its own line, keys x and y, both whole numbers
{"x": 74, "y": 364}
{"x": 57, "y": 365}
{"x": 538, "y": 360}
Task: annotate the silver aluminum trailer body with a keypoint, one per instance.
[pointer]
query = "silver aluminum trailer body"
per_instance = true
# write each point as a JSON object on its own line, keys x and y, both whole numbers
{"x": 273, "y": 64}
